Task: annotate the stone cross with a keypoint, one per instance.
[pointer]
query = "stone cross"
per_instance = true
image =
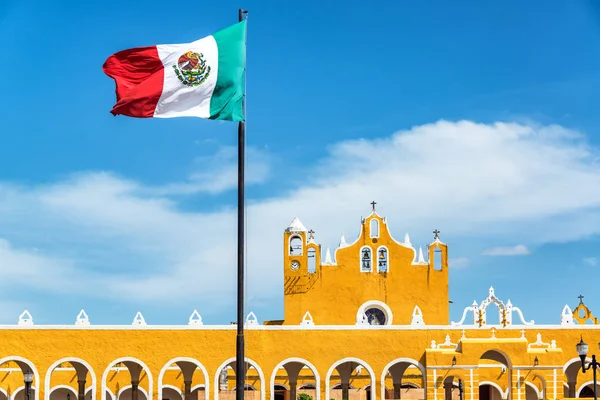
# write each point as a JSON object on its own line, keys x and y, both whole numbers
{"x": 311, "y": 234}
{"x": 580, "y": 299}
{"x": 373, "y": 204}
{"x": 437, "y": 234}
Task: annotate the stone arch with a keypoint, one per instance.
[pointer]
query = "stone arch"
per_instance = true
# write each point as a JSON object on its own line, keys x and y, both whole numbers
{"x": 249, "y": 363}
{"x": 351, "y": 360}
{"x": 588, "y": 384}
{"x": 503, "y": 360}
{"x": 23, "y": 362}
{"x": 295, "y": 361}
{"x": 495, "y": 386}
{"x": 571, "y": 369}
{"x": 21, "y": 389}
{"x": 178, "y": 361}
{"x": 170, "y": 388}
{"x": 127, "y": 361}
{"x": 126, "y": 388}
{"x": 397, "y": 374}
{"x": 5, "y": 394}
{"x": 79, "y": 366}
{"x": 63, "y": 388}
{"x": 532, "y": 392}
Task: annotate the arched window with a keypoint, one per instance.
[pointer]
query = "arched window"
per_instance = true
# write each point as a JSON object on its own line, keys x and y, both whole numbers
{"x": 374, "y": 228}
{"x": 382, "y": 259}
{"x": 312, "y": 260}
{"x": 366, "y": 261}
{"x": 376, "y": 316}
{"x": 296, "y": 245}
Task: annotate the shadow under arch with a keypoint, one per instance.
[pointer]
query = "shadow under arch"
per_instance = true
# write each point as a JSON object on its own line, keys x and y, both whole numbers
{"x": 351, "y": 360}
{"x": 22, "y": 363}
{"x": 125, "y": 360}
{"x": 231, "y": 362}
{"x": 308, "y": 364}
{"x": 79, "y": 365}
{"x": 179, "y": 361}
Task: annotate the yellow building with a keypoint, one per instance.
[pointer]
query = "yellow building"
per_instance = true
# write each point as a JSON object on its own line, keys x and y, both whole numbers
{"x": 369, "y": 322}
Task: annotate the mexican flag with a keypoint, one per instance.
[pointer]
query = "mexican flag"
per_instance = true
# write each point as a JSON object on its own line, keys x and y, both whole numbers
{"x": 202, "y": 79}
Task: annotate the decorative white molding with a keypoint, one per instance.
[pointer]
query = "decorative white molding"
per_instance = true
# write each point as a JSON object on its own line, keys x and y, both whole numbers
{"x": 343, "y": 241}
{"x": 446, "y": 345}
{"x": 389, "y": 316}
{"x": 540, "y": 344}
{"x": 139, "y": 320}
{"x": 566, "y": 317}
{"x": 421, "y": 259}
{"x": 296, "y": 226}
{"x": 504, "y": 312}
{"x": 362, "y": 319}
{"x": 25, "y": 319}
{"x": 328, "y": 260}
{"x": 251, "y": 319}
{"x": 82, "y": 319}
{"x": 417, "y": 317}
{"x": 407, "y": 242}
{"x": 195, "y": 319}
{"x": 307, "y": 320}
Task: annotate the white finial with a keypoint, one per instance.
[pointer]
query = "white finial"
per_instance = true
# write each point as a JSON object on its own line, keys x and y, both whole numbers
{"x": 328, "y": 260}
{"x": 82, "y": 319}
{"x": 25, "y": 319}
{"x": 407, "y": 240}
{"x": 421, "y": 260}
{"x": 566, "y": 317}
{"x": 251, "y": 319}
{"x": 343, "y": 241}
{"x": 139, "y": 320}
{"x": 195, "y": 319}
{"x": 417, "y": 317}
{"x": 296, "y": 226}
{"x": 307, "y": 320}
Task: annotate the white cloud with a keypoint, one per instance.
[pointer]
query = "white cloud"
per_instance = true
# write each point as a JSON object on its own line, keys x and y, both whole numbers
{"x": 591, "y": 261}
{"x": 518, "y": 250}
{"x": 506, "y": 182}
{"x": 458, "y": 263}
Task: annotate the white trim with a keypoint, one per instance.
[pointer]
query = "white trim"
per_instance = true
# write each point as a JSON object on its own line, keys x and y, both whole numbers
{"x": 301, "y": 361}
{"x": 302, "y": 241}
{"x": 407, "y": 361}
{"x": 225, "y": 363}
{"x": 360, "y": 259}
{"x": 375, "y": 304}
{"x": 20, "y": 388}
{"x": 503, "y": 394}
{"x": 36, "y": 374}
{"x": 124, "y": 388}
{"x": 124, "y": 359}
{"x": 358, "y": 361}
{"x": 51, "y": 369}
{"x": 387, "y": 258}
{"x": 183, "y": 359}
{"x": 171, "y": 387}
{"x": 112, "y": 395}
{"x": 371, "y": 236}
{"x": 199, "y": 386}
{"x": 63, "y": 387}
{"x": 5, "y": 393}
{"x": 569, "y": 363}
{"x": 282, "y": 385}
{"x": 585, "y": 384}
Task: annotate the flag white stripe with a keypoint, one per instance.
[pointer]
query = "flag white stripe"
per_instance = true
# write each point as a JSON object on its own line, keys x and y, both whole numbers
{"x": 177, "y": 99}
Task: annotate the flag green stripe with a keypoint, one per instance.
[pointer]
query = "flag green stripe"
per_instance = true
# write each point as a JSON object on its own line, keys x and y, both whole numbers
{"x": 227, "y": 98}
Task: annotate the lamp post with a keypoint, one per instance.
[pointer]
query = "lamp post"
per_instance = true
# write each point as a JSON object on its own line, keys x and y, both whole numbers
{"x": 582, "y": 349}
{"x": 28, "y": 378}
{"x": 460, "y": 389}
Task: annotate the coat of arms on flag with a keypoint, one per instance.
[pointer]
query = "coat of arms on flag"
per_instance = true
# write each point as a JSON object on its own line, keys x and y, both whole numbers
{"x": 191, "y": 68}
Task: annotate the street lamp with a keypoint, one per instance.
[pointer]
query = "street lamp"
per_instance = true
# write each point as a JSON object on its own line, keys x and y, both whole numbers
{"x": 460, "y": 389}
{"x": 582, "y": 350}
{"x": 28, "y": 378}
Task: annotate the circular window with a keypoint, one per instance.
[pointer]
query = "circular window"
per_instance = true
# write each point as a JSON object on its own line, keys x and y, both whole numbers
{"x": 375, "y": 316}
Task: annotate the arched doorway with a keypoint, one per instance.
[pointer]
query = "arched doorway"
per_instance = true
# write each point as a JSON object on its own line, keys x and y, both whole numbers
{"x": 489, "y": 391}
{"x": 17, "y": 367}
{"x": 179, "y": 377}
{"x": 531, "y": 392}
{"x": 587, "y": 390}
{"x": 572, "y": 370}
{"x": 404, "y": 378}
{"x": 350, "y": 372}
{"x": 293, "y": 377}
{"x": 225, "y": 380}
{"x": 78, "y": 373}
{"x": 495, "y": 369}
{"x": 19, "y": 394}
{"x": 127, "y": 377}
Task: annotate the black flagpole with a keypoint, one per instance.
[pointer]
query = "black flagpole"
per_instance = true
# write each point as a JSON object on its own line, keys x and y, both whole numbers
{"x": 240, "y": 365}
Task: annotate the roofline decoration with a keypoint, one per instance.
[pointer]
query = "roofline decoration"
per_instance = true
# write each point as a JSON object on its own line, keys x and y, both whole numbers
{"x": 504, "y": 312}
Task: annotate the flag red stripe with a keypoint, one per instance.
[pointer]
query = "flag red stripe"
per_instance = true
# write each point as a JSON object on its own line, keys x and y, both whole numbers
{"x": 139, "y": 76}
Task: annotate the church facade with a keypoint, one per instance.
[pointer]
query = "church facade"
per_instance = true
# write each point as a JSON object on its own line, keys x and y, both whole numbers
{"x": 370, "y": 321}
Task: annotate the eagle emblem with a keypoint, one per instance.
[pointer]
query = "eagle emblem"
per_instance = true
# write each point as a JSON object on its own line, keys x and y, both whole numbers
{"x": 191, "y": 69}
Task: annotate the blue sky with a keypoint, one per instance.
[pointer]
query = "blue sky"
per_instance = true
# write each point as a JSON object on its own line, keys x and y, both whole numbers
{"x": 345, "y": 100}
